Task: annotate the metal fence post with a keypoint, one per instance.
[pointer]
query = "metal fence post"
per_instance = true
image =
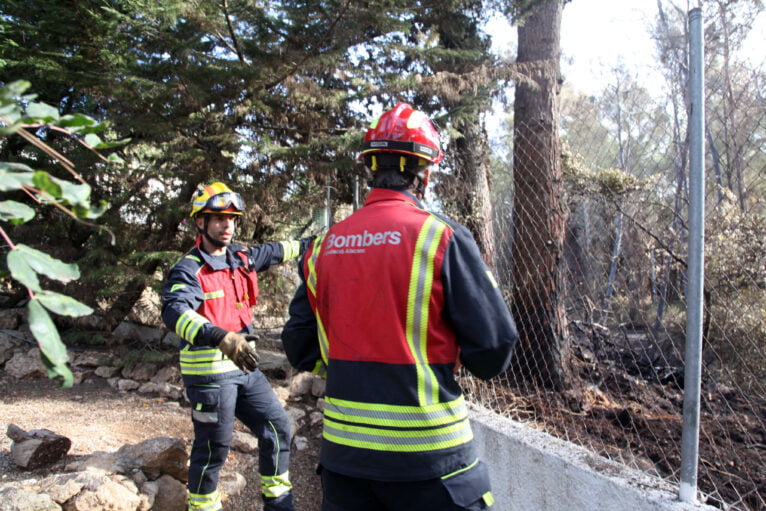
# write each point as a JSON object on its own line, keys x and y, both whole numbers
{"x": 696, "y": 262}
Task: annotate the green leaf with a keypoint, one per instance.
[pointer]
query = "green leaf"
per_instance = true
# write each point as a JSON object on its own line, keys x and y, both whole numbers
{"x": 42, "y": 112}
{"x": 62, "y": 304}
{"x": 14, "y": 175}
{"x": 93, "y": 140}
{"x": 21, "y": 270}
{"x": 44, "y": 183}
{"x": 44, "y": 264}
{"x": 73, "y": 193}
{"x": 53, "y": 351}
{"x": 15, "y": 213}
{"x": 76, "y": 122}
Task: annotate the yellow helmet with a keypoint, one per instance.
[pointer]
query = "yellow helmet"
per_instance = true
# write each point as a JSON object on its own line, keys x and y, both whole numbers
{"x": 217, "y": 198}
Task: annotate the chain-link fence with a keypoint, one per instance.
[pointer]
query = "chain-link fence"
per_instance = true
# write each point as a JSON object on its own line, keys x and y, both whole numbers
{"x": 618, "y": 288}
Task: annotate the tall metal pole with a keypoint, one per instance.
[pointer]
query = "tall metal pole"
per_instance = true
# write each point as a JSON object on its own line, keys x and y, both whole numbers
{"x": 696, "y": 261}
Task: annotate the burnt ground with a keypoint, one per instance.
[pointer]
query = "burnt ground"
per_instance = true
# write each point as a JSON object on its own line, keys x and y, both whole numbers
{"x": 627, "y": 410}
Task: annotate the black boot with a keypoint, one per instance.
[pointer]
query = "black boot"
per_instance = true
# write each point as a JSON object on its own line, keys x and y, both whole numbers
{"x": 281, "y": 503}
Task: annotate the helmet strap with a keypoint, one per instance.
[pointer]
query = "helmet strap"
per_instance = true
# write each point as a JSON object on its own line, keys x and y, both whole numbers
{"x": 210, "y": 239}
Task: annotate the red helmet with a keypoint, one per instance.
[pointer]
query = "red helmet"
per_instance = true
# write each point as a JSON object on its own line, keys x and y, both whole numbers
{"x": 403, "y": 130}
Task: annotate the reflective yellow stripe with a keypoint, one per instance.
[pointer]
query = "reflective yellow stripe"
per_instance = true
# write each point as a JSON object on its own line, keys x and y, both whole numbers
{"x": 324, "y": 343}
{"x": 207, "y": 502}
{"x": 418, "y": 301}
{"x": 396, "y": 416}
{"x": 276, "y": 486}
{"x": 456, "y": 472}
{"x": 215, "y": 294}
{"x": 176, "y": 287}
{"x": 396, "y": 428}
{"x": 290, "y": 249}
{"x": 398, "y": 440}
{"x": 320, "y": 368}
{"x": 206, "y": 361}
{"x": 491, "y": 278}
{"x": 311, "y": 278}
{"x": 189, "y": 324}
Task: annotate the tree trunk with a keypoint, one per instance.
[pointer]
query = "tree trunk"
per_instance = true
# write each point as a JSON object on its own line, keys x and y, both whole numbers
{"x": 472, "y": 171}
{"x": 539, "y": 206}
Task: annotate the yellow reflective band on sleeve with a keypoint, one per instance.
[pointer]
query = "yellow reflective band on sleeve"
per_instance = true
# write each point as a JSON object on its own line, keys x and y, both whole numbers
{"x": 206, "y": 502}
{"x": 290, "y": 249}
{"x": 193, "y": 258}
{"x": 214, "y": 294}
{"x": 276, "y": 486}
{"x": 189, "y": 324}
{"x": 396, "y": 428}
{"x": 176, "y": 287}
{"x": 418, "y": 302}
{"x": 491, "y": 278}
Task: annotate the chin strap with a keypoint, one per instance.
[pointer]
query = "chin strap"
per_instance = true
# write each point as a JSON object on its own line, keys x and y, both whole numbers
{"x": 213, "y": 241}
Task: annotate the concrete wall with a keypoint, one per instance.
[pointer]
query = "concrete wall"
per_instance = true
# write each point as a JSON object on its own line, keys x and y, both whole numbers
{"x": 533, "y": 471}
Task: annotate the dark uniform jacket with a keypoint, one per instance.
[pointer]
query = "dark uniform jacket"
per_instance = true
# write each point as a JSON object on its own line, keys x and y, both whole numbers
{"x": 390, "y": 298}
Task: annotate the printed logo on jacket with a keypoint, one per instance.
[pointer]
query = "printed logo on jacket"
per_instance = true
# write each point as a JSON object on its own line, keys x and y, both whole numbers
{"x": 358, "y": 243}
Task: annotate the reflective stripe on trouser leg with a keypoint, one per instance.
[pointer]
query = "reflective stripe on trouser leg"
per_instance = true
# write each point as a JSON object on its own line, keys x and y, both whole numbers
{"x": 276, "y": 486}
{"x": 208, "y": 502}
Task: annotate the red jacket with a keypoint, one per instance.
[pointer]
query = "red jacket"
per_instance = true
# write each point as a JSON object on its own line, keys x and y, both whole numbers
{"x": 389, "y": 297}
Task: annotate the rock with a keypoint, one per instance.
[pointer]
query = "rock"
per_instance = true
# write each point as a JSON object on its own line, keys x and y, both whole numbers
{"x": 159, "y": 455}
{"x": 171, "y": 339}
{"x": 244, "y": 442}
{"x": 16, "y": 499}
{"x": 106, "y": 371}
{"x": 10, "y": 319}
{"x": 6, "y": 348}
{"x": 301, "y": 443}
{"x": 37, "y": 447}
{"x": 318, "y": 386}
{"x": 300, "y": 386}
{"x": 296, "y": 416}
{"x": 26, "y": 365}
{"x": 127, "y": 331}
{"x": 231, "y": 483}
{"x": 272, "y": 361}
{"x": 125, "y": 385}
{"x": 171, "y": 495}
{"x": 108, "y": 496}
{"x": 140, "y": 372}
{"x": 161, "y": 389}
{"x": 168, "y": 374}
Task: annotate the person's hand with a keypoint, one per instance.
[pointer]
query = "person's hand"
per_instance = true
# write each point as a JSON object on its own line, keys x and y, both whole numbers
{"x": 236, "y": 347}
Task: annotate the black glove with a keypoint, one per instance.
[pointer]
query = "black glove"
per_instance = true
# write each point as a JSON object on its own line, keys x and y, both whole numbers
{"x": 236, "y": 347}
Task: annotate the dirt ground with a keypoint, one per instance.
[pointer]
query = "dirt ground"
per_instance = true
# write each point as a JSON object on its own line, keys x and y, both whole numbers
{"x": 616, "y": 414}
{"x": 98, "y": 418}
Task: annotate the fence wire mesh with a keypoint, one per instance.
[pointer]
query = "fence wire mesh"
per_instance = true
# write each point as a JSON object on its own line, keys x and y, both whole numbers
{"x": 622, "y": 272}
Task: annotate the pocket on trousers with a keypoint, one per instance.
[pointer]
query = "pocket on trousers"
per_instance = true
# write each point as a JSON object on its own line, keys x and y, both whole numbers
{"x": 470, "y": 489}
{"x": 204, "y": 401}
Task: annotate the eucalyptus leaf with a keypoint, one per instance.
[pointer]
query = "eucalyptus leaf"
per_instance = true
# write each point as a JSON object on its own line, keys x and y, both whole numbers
{"x": 15, "y": 212}
{"x": 53, "y": 351}
{"x": 42, "y": 111}
{"x": 45, "y": 264}
{"x": 62, "y": 304}
{"x": 21, "y": 270}
{"x": 44, "y": 183}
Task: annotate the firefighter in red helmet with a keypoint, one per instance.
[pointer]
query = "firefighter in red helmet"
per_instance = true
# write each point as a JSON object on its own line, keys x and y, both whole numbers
{"x": 392, "y": 299}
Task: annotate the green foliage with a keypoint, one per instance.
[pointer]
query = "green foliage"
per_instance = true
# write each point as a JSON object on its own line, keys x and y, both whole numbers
{"x": 26, "y": 264}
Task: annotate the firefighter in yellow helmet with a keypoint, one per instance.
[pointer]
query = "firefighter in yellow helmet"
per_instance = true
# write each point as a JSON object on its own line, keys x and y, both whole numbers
{"x": 207, "y": 301}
